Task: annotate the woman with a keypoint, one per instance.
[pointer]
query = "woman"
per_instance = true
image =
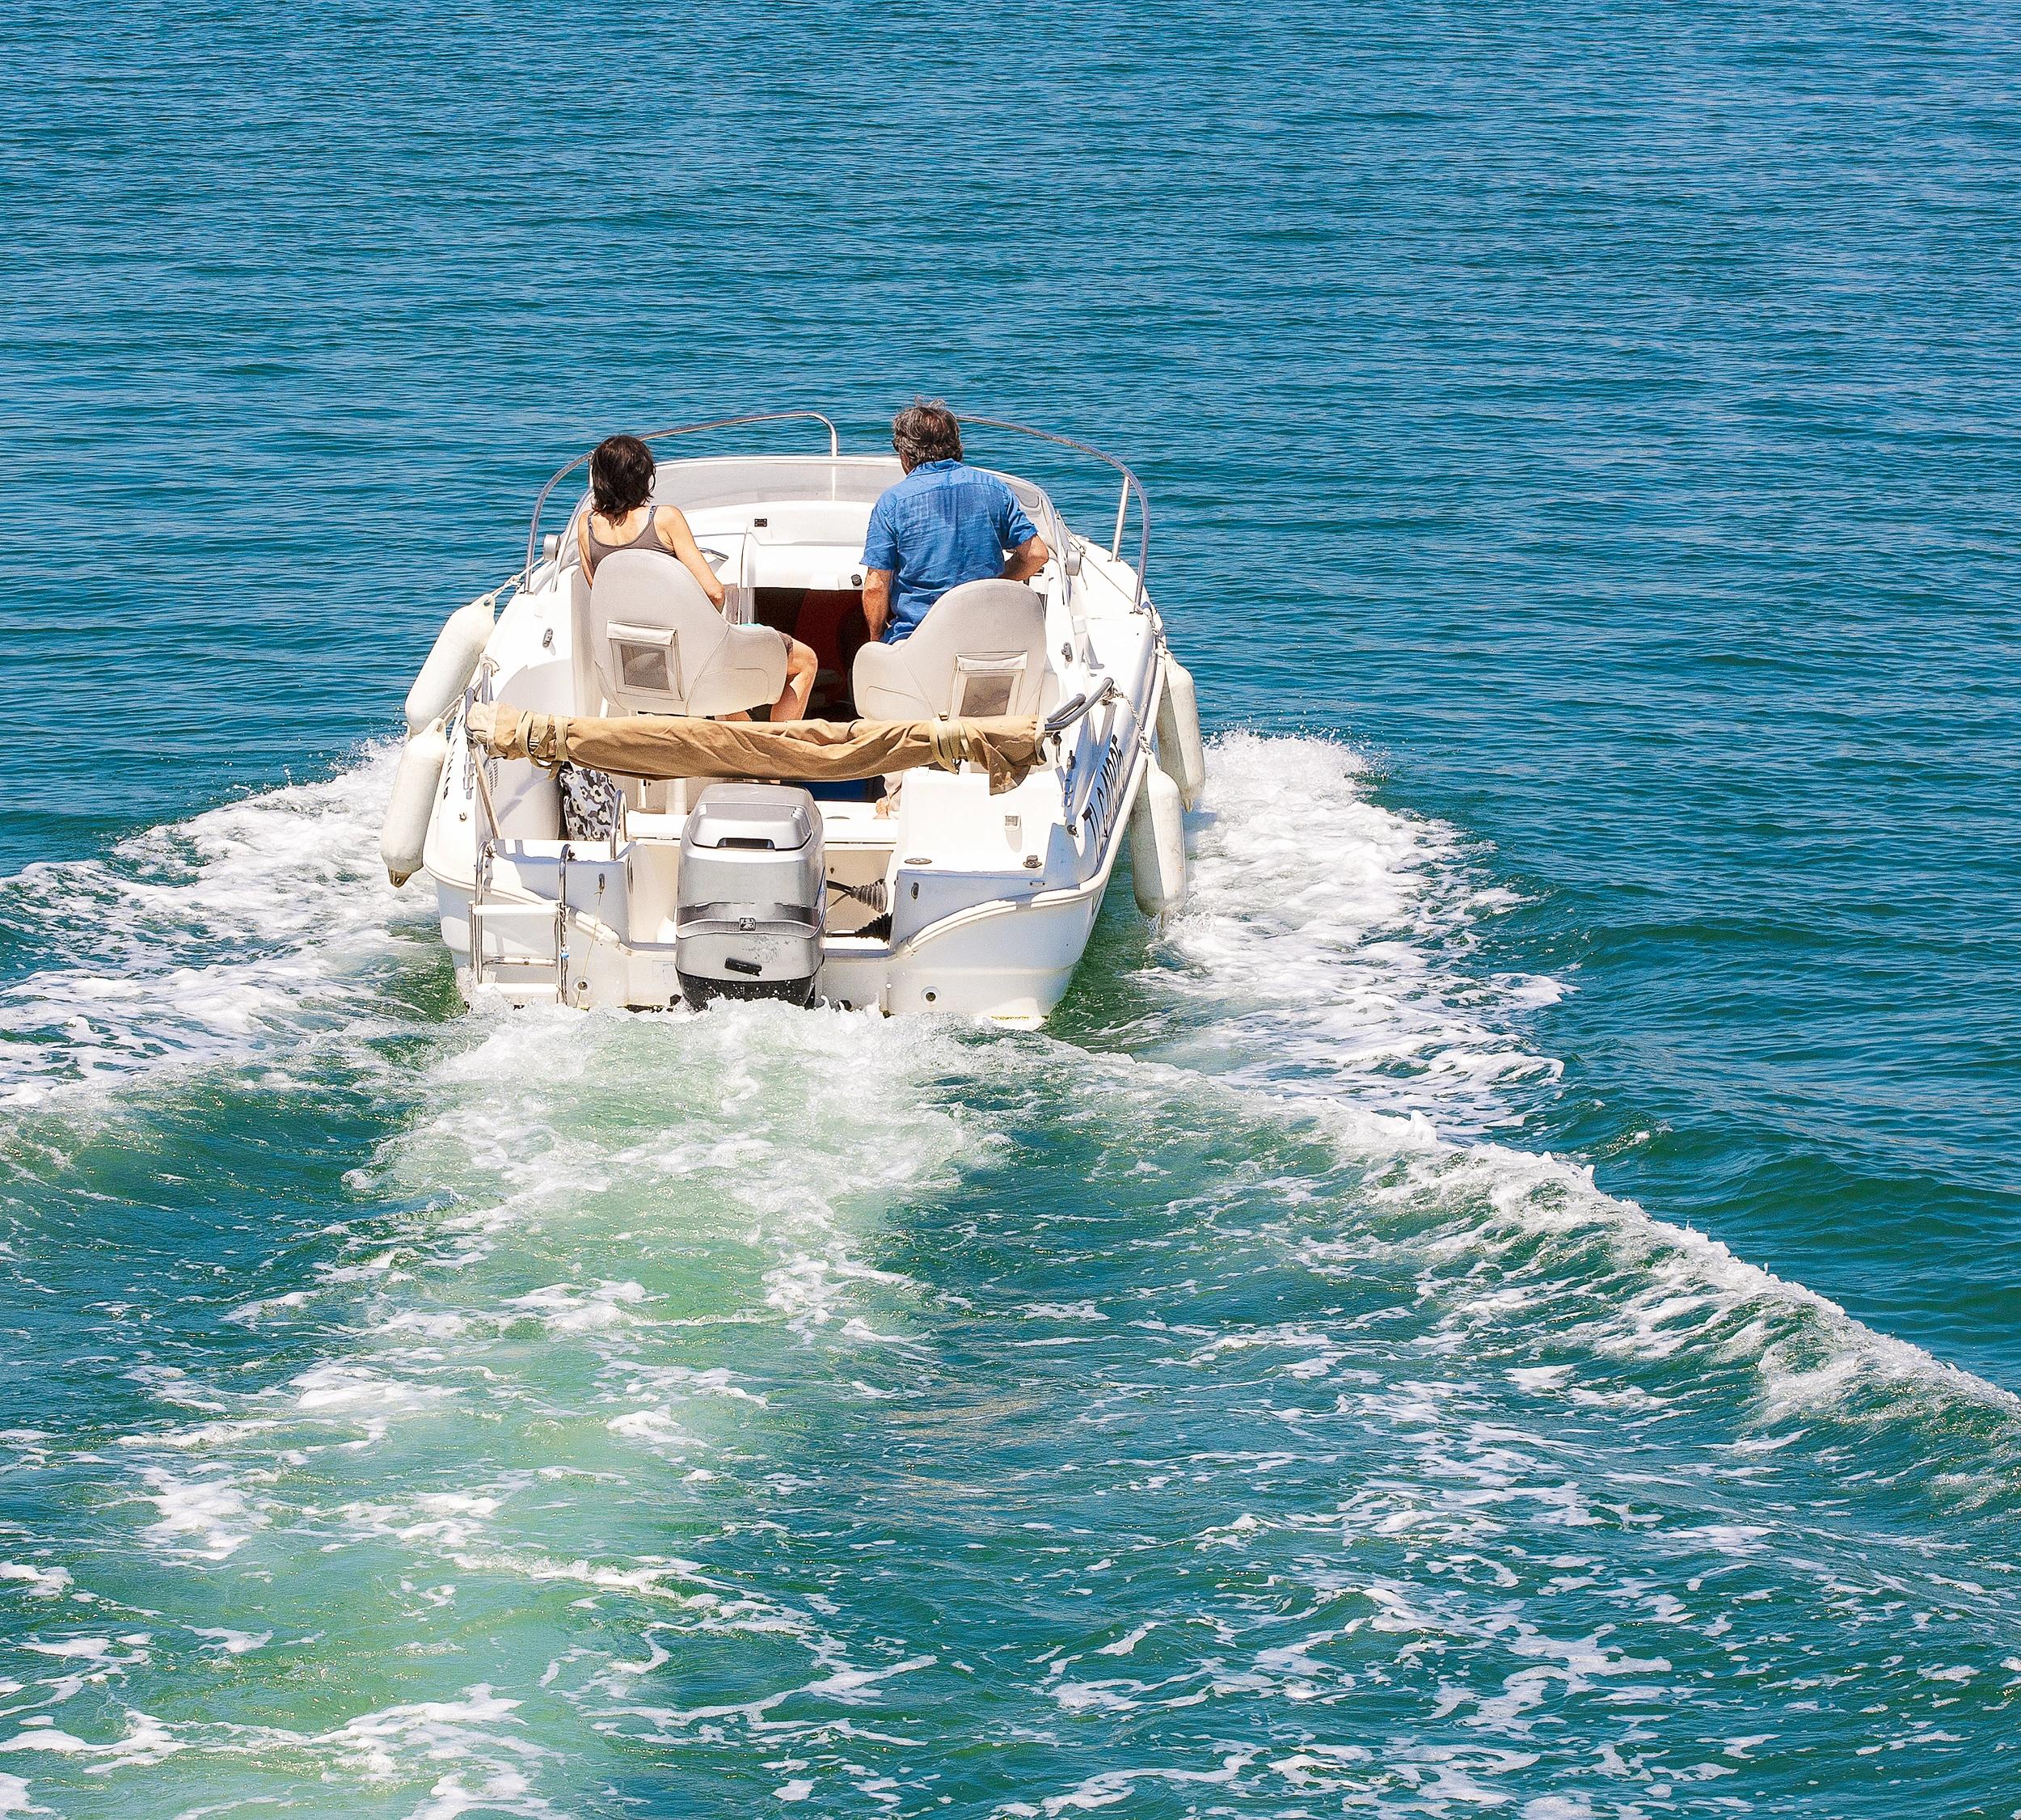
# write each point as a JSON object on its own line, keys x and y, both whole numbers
{"x": 621, "y": 516}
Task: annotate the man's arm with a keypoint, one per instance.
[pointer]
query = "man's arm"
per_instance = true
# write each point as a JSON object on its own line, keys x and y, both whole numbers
{"x": 1027, "y": 559}
{"x": 877, "y": 600}
{"x": 880, "y": 563}
{"x": 1016, "y": 533}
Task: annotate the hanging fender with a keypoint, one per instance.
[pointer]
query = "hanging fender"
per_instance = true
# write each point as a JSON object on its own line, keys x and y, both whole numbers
{"x": 1158, "y": 845}
{"x": 452, "y": 661}
{"x": 404, "y": 833}
{"x": 1179, "y": 750}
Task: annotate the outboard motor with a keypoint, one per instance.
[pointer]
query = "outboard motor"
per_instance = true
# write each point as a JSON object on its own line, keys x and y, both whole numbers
{"x": 748, "y": 918}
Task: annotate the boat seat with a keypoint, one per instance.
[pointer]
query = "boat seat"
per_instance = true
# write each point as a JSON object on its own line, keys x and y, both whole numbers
{"x": 647, "y": 641}
{"x": 980, "y": 650}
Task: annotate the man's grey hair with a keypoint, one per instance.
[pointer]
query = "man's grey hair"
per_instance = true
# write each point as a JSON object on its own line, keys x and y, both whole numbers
{"x": 926, "y": 431}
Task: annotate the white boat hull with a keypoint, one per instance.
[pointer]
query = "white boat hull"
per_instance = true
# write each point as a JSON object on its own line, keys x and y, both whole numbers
{"x": 1002, "y": 963}
{"x": 987, "y": 902}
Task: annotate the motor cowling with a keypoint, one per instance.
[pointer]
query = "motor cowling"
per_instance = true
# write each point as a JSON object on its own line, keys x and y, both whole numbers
{"x": 749, "y": 907}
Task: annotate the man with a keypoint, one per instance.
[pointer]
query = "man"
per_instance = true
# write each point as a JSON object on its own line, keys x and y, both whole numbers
{"x": 944, "y": 524}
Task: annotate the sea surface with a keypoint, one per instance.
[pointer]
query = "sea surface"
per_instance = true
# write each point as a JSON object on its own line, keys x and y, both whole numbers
{"x": 1506, "y": 1306}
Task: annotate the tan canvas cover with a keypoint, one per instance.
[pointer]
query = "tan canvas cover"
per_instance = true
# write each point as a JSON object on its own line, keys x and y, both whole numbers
{"x": 818, "y": 751}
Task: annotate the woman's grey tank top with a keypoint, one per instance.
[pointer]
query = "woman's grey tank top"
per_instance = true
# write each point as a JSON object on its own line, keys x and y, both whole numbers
{"x": 647, "y": 538}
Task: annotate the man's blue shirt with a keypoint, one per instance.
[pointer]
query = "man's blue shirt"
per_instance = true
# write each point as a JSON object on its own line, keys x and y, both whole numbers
{"x": 944, "y": 524}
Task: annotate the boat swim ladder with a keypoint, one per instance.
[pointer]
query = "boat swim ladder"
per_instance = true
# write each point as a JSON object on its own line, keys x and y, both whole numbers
{"x": 486, "y": 909}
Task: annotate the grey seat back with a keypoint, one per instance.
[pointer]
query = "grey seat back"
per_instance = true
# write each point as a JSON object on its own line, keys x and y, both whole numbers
{"x": 980, "y": 650}
{"x": 647, "y": 641}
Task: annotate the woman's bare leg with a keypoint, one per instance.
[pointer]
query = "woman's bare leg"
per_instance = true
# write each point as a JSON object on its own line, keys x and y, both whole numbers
{"x": 801, "y": 664}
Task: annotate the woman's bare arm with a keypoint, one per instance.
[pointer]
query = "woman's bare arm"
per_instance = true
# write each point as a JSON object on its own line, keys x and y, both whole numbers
{"x": 671, "y": 523}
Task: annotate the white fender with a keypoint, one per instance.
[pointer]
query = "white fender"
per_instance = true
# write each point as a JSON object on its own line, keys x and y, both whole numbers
{"x": 1179, "y": 747}
{"x": 451, "y": 663}
{"x": 1158, "y": 845}
{"x": 405, "y": 831}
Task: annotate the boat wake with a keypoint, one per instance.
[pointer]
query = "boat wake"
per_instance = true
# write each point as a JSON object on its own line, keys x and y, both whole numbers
{"x": 249, "y": 932}
{"x": 898, "y": 1381}
{"x": 1328, "y": 951}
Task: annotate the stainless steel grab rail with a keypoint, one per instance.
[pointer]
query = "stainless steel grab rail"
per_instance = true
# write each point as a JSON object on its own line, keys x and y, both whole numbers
{"x": 1081, "y": 705}
{"x": 1102, "y": 753}
{"x": 540, "y": 504}
{"x": 1131, "y": 484}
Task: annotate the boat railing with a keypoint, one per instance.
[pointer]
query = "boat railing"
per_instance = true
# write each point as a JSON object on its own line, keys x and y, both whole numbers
{"x": 1130, "y": 485}
{"x": 1089, "y": 783}
{"x": 561, "y": 474}
{"x": 1078, "y": 708}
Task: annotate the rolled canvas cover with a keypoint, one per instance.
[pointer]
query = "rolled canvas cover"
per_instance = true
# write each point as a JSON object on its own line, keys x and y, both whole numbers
{"x": 818, "y": 751}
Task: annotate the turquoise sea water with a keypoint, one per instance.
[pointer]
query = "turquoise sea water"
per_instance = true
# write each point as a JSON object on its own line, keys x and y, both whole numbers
{"x": 1507, "y": 1307}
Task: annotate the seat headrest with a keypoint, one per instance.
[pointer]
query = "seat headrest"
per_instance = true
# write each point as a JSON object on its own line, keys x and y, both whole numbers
{"x": 643, "y": 584}
{"x": 1008, "y": 611}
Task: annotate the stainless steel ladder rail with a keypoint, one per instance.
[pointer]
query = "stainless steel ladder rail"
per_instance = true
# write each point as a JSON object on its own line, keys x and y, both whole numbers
{"x": 484, "y": 909}
{"x": 1101, "y": 753}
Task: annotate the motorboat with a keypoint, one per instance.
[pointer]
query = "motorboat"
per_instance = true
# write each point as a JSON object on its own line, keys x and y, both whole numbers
{"x": 605, "y": 825}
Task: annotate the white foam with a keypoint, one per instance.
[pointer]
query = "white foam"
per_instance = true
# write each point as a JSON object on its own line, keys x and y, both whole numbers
{"x": 361, "y": 1393}
{"x": 505, "y": 1790}
{"x": 687, "y": 1380}
{"x": 1125, "y": 1645}
{"x": 1107, "y": 1787}
{"x": 206, "y": 1518}
{"x": 758, "y": 1121}
{"x": 1327, "y": 940}
{"x": 470, "y": 1749}
{"x": 655, "y": 1426}
{"x": 568, "y": 1308}
{"x": 223, "y": 1641}
{"x": 442, "y": 1520}
{"x": 1670, "y": 1292}
{"x": 39, "y": 1582}
{"x": 243, "y": 930}
{"x": 146, "y": 1741}
{"x": 383, "y": 1744}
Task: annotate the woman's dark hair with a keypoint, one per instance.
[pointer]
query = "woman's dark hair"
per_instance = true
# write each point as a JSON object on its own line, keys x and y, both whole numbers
{"x": 620, "y": 475}
{"x": 926, "y": 431}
